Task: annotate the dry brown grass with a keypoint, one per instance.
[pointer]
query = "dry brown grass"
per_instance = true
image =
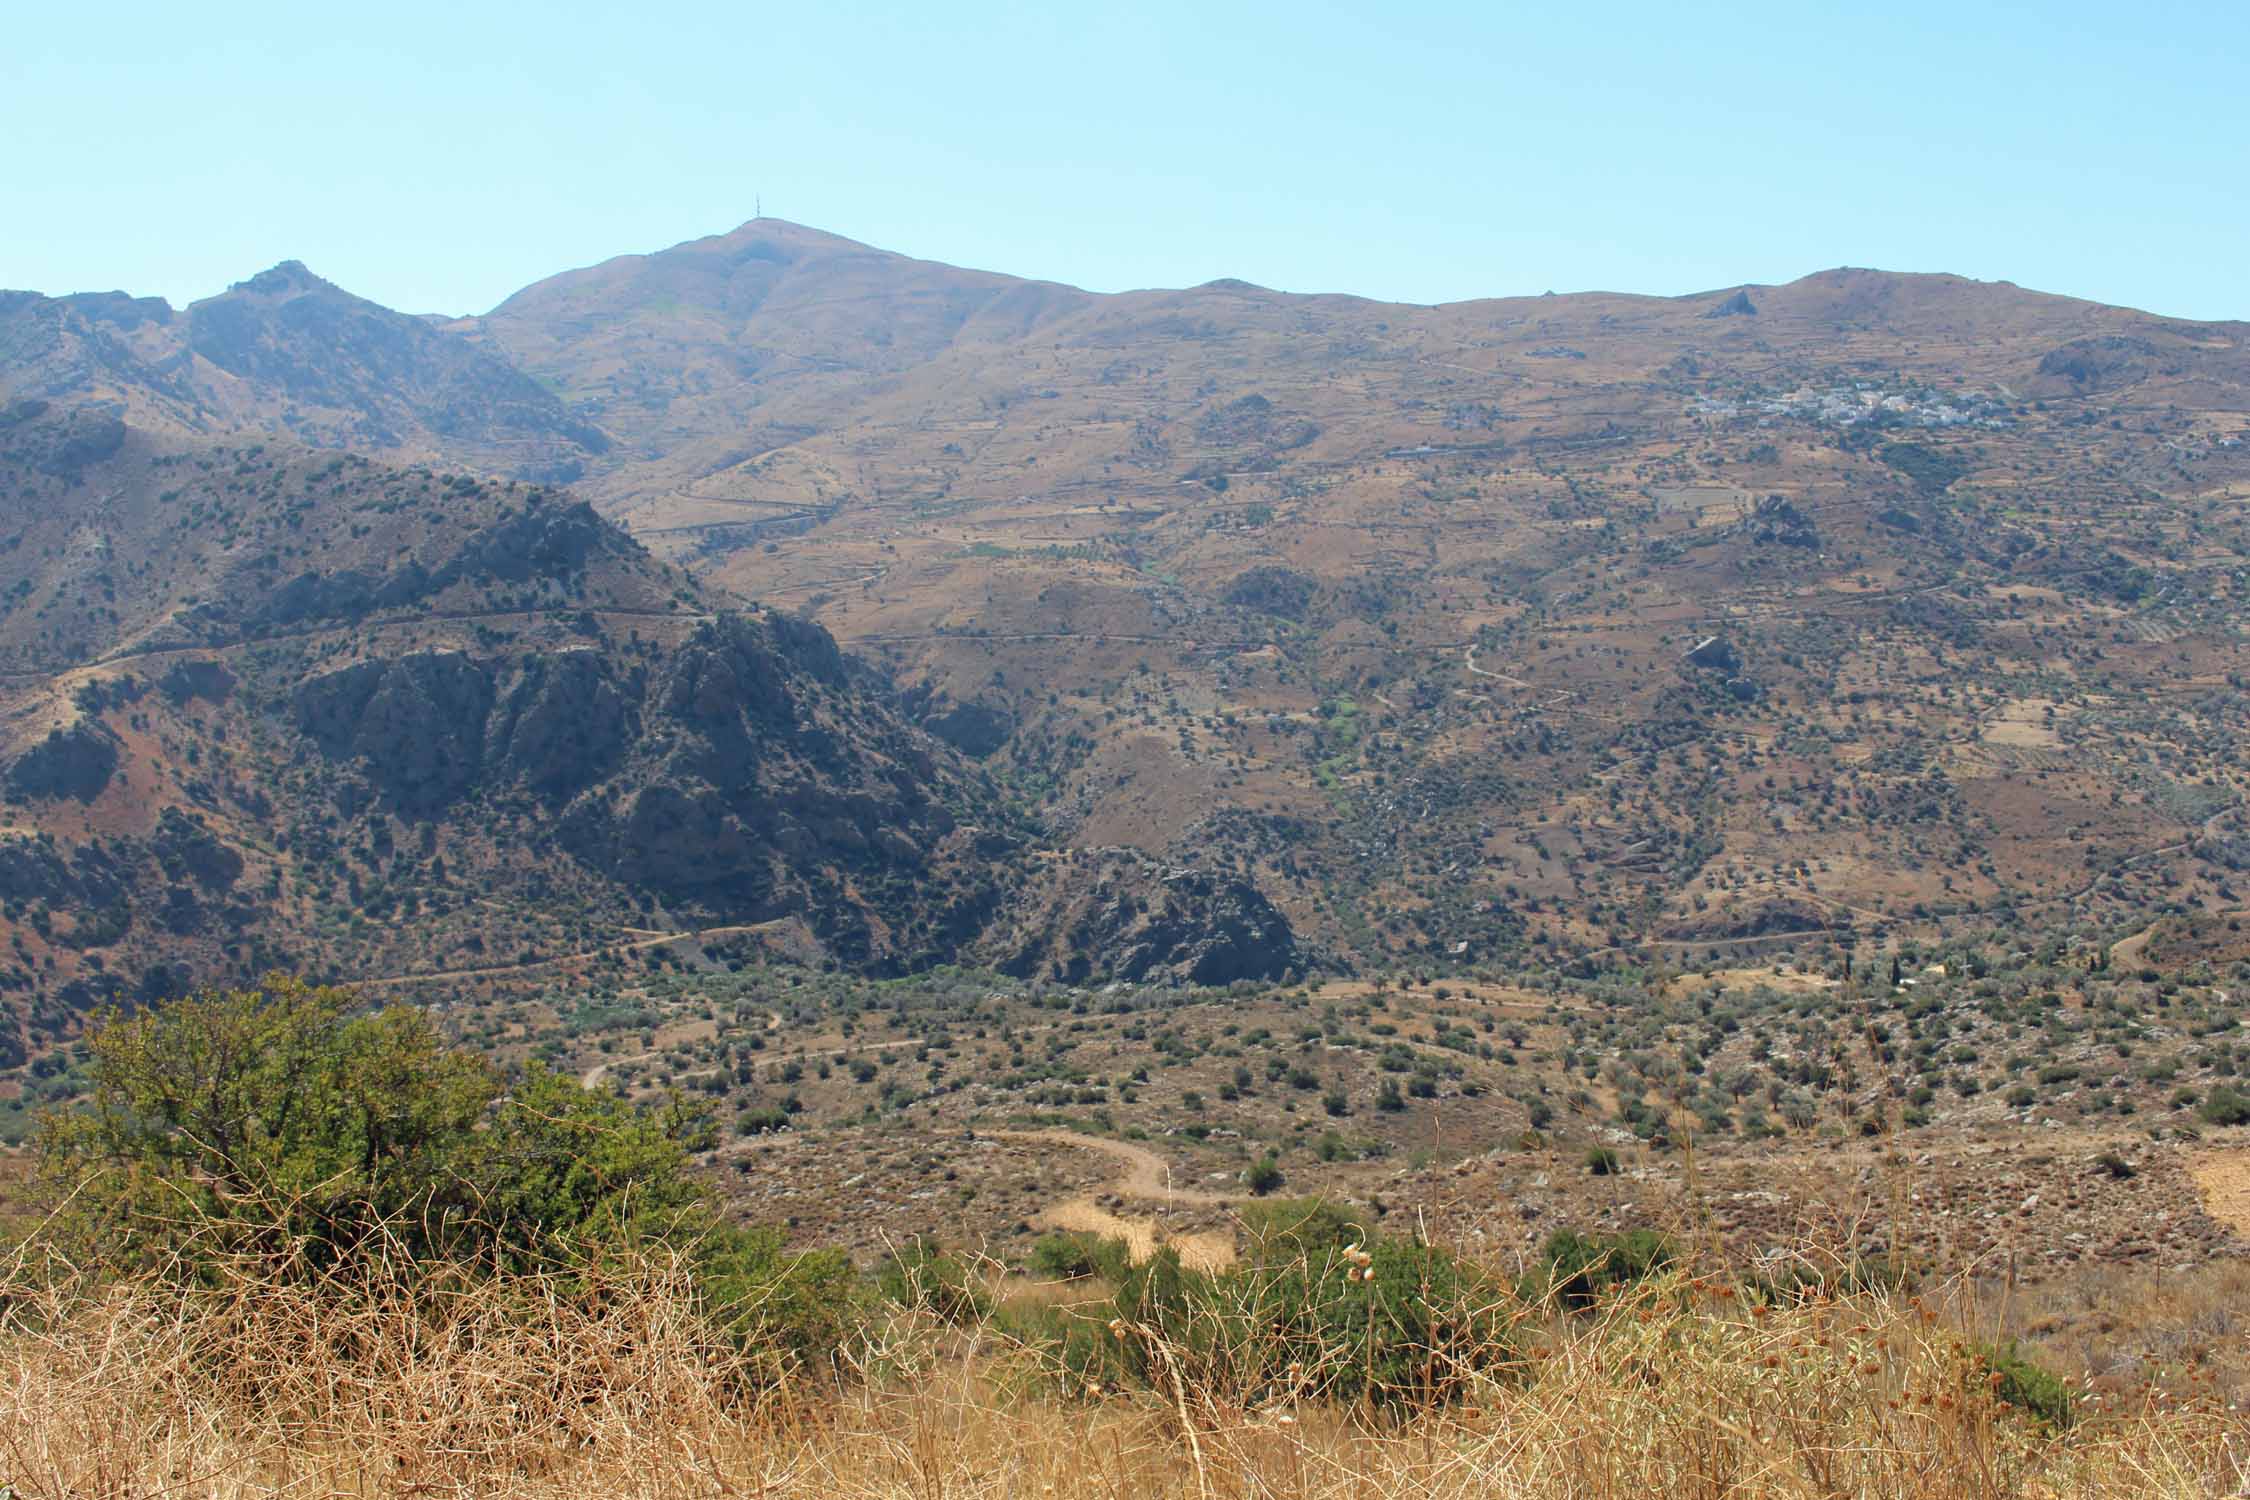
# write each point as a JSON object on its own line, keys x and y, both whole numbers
{"x": 2182, "y": 1328}
{"x": 424, "y": 1384}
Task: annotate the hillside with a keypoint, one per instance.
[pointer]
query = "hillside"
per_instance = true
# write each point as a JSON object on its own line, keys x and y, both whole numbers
{"x": 1598, "y": 626}
{"x": 1393, "y": 611}
{"x": 264, "y": 705}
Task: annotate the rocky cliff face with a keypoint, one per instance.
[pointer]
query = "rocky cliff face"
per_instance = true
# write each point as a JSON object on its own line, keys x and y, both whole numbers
{"x": 768, "y": 777}
{"x": 416, "y": 723}
{"x": 754, "y": 773}
{"x": 562, "y": 722}
{"x": 974, "y": 729}
{"x": 1116, "y": 914}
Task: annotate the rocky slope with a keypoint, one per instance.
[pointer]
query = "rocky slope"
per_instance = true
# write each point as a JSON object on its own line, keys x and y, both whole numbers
{"x": 1117, "y": 914}
{"x": 379, "y": 723}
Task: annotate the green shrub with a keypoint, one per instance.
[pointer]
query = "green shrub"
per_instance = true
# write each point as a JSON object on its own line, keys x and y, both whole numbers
{"x": 286, "y": 1129}
{"x": 1577, "y": 1269}
{"x": 1301, "y": 1318}
{"x": 2042, "y": 1394}
{"x": 1263, "y": 1175}
{"x": 795, "y": 1307}
{"x": 1289, "y": 1228}
{"x": 1074, "y": 1256}
{"x": 275, "y": 1122}
{"x": 761, "y": 1120}
{"x": 946, "y": 1286}
{"x": 1601, "y": 1161}
{"x": 2225, "y": 1106}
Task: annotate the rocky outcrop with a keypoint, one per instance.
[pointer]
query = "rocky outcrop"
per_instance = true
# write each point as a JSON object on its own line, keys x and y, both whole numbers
{"x": 120, "y": 310}
{"x": 417, "y": 722}
{"x": 754, "y": 774}
{"x": 345, "y": 594}
{"x": 1775, "y": 520}
{"x": 185, "y": 681}
{"x": 1140, "y": 922}
{"x": 35, "y": 868}
{"x": 544, "y": 540}
{"x": 186, "y": 850}
{"x": 76, "y": 760}
{"x": 2086, "y": 366}
{"x": 1737, "y": 306}
{"x": 760, "y": 772}
{"x": 561, "y": 724}
{"x": 976, "y": 730}
{"x": 1255, "y": 420}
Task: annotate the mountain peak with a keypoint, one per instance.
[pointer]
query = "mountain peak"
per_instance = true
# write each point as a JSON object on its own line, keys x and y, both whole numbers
{"x": 290, "y": 276}
{"x": 786, "y": 234}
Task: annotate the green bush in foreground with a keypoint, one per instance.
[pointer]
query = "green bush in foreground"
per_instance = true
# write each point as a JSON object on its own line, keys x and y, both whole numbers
{"x": 1317, "y": 1309}
{"x": 1075, "y": 1255}
{"x": 2027, "y": 1387}
{"x": 279, "y": 1132}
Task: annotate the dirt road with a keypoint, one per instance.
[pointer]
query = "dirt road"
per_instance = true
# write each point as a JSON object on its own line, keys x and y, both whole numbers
{"x": 1147, "y": 1176}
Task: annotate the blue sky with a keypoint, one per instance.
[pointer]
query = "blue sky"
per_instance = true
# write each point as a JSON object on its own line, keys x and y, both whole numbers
{"x": 438, "y": 156}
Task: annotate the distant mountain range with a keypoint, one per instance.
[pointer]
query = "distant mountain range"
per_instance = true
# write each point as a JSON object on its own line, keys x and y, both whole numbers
{"x": 897, "y": 614}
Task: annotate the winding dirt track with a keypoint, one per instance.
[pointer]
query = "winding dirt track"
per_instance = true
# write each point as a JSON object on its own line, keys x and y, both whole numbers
{"x": 1146, "y": 1176}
